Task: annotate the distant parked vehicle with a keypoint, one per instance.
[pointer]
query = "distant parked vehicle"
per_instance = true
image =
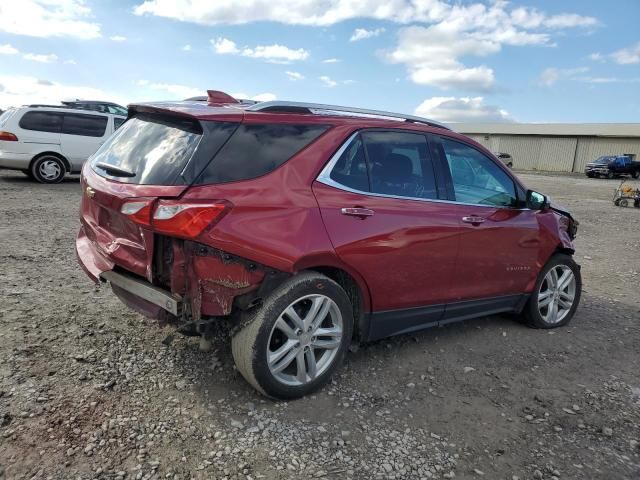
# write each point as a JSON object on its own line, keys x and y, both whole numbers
{"x": 505, "y": 158}
{"x": 612, "y": 166}
{"x": 97, "y": 106}
{"x": 46, "y": 142}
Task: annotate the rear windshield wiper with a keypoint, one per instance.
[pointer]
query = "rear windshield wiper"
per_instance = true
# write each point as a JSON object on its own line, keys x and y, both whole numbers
{"x": 115, "y": 171}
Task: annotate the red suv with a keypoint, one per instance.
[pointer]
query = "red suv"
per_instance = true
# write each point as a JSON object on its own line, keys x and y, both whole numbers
{"x": 307, "y": 226}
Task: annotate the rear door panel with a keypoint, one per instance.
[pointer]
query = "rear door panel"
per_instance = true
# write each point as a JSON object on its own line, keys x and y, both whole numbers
{"x": 406, "y": 251}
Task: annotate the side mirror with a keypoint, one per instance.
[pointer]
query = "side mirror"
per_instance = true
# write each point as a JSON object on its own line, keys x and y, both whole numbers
{"x": 536, "y": 201}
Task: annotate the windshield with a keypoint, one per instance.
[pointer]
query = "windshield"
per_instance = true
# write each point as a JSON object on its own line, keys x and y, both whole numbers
{"x": 149, "y": 150}
{"x": 603, "y": 159}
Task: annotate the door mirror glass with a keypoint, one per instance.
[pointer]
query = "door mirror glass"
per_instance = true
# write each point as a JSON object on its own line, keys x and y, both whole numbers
{"x": 536, "y": 201}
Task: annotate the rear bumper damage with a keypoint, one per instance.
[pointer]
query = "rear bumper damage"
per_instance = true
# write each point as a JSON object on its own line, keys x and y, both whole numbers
{"x": 192, "y": 282}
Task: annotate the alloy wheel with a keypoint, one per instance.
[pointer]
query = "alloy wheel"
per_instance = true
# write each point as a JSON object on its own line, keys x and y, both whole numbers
{"x": 305, "y": 340}
{"x": 557, "y": 294}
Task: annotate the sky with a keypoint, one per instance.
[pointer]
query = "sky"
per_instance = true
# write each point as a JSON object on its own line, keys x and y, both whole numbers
{"x": 450, "y": 60}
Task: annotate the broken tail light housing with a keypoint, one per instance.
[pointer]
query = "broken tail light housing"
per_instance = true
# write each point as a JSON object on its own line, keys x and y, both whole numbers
{"x": 8, "y": 136}
{"x": 175, "y": 217}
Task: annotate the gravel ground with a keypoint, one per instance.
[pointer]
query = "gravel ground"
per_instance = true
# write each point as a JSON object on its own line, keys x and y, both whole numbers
{"x": 89, "y": 389}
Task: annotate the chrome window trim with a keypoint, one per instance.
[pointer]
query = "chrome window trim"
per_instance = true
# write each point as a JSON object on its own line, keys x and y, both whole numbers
{"x": 325, "y": 178}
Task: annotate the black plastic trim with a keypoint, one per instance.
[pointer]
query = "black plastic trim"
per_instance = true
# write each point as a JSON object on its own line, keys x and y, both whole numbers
{"x": 396, "y": 322}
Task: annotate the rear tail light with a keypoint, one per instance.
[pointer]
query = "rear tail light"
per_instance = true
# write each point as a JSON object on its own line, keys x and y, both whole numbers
{"x": 8, "y": 136}
{"x": 174, "y": 217}
{"x": 139, "y": 211}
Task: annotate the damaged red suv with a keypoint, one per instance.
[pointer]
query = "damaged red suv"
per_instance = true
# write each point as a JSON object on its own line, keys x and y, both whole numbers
{"x": 307, "y": 226}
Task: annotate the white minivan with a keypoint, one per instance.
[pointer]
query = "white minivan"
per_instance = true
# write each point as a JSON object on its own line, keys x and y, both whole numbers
{"x": 46, "y": 142}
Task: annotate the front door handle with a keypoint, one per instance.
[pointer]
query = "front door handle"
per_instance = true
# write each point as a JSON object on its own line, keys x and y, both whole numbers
{"x": 473, "y": 220}
{"x": 359, "y": 212}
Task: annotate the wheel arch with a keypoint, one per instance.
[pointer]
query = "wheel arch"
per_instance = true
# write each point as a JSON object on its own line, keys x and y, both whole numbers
{"x": 64, "y": 160}
{"x": 355, "y": 287}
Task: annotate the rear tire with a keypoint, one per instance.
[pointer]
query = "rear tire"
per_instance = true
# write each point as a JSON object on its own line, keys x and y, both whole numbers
{"x": 610, "y": 175}
{"x": 48, "y": 169}
{"x": 285, "y": 351}
{"x": 636, "y": 174}
{"x": 556, "y": 295}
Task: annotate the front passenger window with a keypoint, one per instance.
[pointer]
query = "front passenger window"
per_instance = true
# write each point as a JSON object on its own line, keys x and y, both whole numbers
{"x": 476, "y": 178}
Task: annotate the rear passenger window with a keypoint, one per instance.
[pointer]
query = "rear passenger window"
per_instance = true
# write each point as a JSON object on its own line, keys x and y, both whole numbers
{"x": 50, "y": 122}
{"x": 257, "y": 149}
{"x": 85, "y": 125}
{"x": 399, "y": 164}
{"x": 351, "y": 168}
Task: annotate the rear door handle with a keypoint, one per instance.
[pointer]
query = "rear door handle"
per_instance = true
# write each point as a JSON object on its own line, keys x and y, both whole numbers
{"x": 474, "y": 220}
{"x": 357, "y": 212}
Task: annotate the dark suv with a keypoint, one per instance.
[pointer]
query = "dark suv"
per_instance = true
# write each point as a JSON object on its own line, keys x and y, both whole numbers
{"x": 308, "y": 226}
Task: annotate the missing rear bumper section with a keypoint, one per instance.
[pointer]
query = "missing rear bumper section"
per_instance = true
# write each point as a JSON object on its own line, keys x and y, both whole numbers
{"x": 194, "y": 283}
{"x": 172, "y": 303}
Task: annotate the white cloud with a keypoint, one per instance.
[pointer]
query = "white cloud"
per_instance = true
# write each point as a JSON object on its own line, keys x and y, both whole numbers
{"x": 294, "y": 75}
{"x": 71, "y": 61}
{"x": 324, "y": 13}
{"x": 264, "y": 97}
{"x": 187, "y": 48}
{"x": 48, "y": 18}
{"x": 431, "y": 56}
{"x": 271, "y": 53}
{"x": 42, "y": 58}
{"x": 363, "y": 33}
{"x": 7, "y": 49}
{"x": 627, "y": 56}
{"x": 435, "y": 53}
{"x": 331, "y": 60}
{"x": 596, "y": 57}
{"x": 118, "y": 38}
{"x": 174, "y": 91}
{"x": 23, "y": 90}
{"x": 278, "y": 53}
{"x": 328, "y": 81}
{"x": 261, "y": 97}
{"x": 550, "y": 76}
{"x": 224, "y": 46}
{"x": 461, "y": 109}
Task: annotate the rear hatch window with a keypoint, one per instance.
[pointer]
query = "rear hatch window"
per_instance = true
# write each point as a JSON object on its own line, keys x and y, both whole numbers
{"x": 156, "y": 150}
{"x": 152, "y": 149}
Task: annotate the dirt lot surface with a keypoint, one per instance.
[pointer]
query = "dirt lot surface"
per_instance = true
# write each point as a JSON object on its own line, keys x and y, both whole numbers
{"x": 88, "y": 389}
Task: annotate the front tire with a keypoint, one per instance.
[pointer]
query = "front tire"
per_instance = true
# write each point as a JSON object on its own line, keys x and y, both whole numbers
{"x": 610, "y": 175}
{"x": 291, "y": 345}
{"x": 556, "y": 295}
{"x": 48, "y": 169}
{"x": 636, "y": 174}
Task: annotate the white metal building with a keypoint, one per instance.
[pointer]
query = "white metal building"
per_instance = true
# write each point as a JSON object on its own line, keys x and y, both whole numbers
{"x": 560, "y": 147}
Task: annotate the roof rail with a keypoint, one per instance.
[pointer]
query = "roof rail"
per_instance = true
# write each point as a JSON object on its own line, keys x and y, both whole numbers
{"x": 36, "y": 105}
{"x": 302, "y": 107}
